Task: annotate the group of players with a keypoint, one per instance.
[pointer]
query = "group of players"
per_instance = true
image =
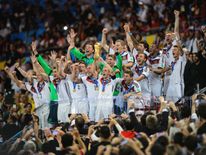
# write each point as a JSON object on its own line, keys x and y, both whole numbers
{"x": 86, "y": 83}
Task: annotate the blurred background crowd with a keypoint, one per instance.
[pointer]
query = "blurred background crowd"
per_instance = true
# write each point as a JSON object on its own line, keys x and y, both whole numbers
{"x": 47, "y": 22}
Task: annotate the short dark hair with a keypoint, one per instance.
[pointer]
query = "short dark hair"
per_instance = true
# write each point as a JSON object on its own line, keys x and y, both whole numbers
{"x": 104, "y": 132}
{"x": 50, "y": 146}
{"x": 126, "y": 149}
{"x": 144, "y": 116}
{"x": 79, "y": 122}
{"x": 128, "y": 124}
{"x": 191, "y": 143}
{"x": 157, "y": 148}
{"x": 131, "y": 74}
{"x": 123, "y": 43}
{"x": 151, "y": 121}
{"x": 179, "y": 138}
{"x": 112, "y": 56}
{"x": 146, "y": 45}
{"x": 88, "y": 43}
{"x": 162, "y": 140}
{"x": 202, "y": 110}
{"x": 67, "y": 140}
{"x": 27, "y": 104}
{"x": 185, "y": 112}
{"x": 82, "y": 62}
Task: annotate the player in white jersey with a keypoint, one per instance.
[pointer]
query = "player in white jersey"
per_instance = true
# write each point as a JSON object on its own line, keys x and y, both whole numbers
{"x": 105, "y": 95}
{"x": 41, "y": 95}
{"x": 168, "y": 59}
{"x": 171, "y": 40}
{"x": 92, "y": 87}
{"x": 131, "y": 90}
{"x": 79, "y": 103}
{"x": 79, "y": 97}
{"x": 176, "y": 83}
{"x": 141, "y": 74}
{"x": 121, "y": 47}
{"x": 64, "y": 100}
{"x": 156, "y": 64}
{"x": 135, "y": 46}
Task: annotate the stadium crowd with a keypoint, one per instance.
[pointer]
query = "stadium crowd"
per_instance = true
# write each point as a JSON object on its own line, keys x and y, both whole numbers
{"x": 109, "y": 92}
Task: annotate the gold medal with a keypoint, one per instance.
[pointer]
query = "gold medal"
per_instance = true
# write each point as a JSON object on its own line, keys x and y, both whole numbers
{"x": 74, "y": 90}
{"x": 96, "y": 88}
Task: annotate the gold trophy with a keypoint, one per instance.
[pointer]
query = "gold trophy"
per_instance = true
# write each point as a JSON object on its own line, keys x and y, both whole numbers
{"x": 97, "y": 48}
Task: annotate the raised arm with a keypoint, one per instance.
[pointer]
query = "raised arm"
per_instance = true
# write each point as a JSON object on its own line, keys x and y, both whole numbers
{"x": 104, "y": 39}
{"x": 13, "y": 77}
{"x": 203, "y": 28}
{"x": 23, "y": 73}
{"x": 61, "y": 66}
{"x": 36, "y": 66}
{"x": 40, "y": 59}
{"x": 71, "y": 41}
{"x": 176, "y": 28}
{"x": 128, "y": 37}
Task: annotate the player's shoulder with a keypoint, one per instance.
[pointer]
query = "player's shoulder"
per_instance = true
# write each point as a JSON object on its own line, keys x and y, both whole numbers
{"x": 83, "y": 77}
{"x": 136, "y": 84}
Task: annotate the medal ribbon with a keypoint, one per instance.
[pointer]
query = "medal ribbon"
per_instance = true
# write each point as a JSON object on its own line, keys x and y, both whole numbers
{"x": 40, "y": 86}
{"x": 127, "y": 87}
{"x": 93, "y": 80}
{"x": 104, "y": 83}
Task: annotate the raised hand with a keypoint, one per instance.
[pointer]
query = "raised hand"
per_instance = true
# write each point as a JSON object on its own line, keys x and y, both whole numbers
{"x": 105, "y": 31}
{"x": 33, "y": 47}
{"x": 62, "y": 58}
{"x": 203, "y": 28}
{"x": 126, "y": 28}
{"x": 16, "y": 65}
{"x": 161, "y": 98}
{"x": 6, "y": 68}
{"x": 33, "y": 58}
{"x": 53, "y": 55}
{"x": 68, "y": 38}
{"x": 124, "y": 116}
{"x": 72, "y": 34}
{"x": 177, "y": 13}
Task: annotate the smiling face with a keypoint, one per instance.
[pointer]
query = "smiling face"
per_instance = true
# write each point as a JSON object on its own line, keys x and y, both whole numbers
{"x": 39, "y": 77}
{"x": 153, "y": 49}
{"x": 128, "y": 77}
{"x": 89, "y": 49}
{"x": 140, "y": 47}
{"x": 55, "y": 73}
{"x": 82, "y": 68}
{"x": 110, "y": 60}
{"x": 119, "y": 46}
{"x": 106, "y": 73}
{"x": 90, "y": 70}
{"x": 141, "y": 59}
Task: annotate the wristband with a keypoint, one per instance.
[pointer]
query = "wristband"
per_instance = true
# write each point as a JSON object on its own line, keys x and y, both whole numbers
{"x": 130, "y": 33}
